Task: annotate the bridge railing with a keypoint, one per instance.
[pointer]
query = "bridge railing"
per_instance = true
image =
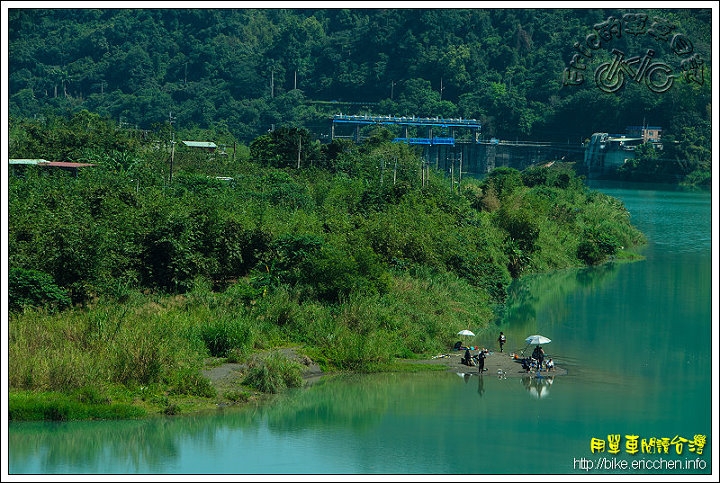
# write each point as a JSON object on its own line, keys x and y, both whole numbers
{"x": 406, "y": 121}
{"x": 426, "y": 141}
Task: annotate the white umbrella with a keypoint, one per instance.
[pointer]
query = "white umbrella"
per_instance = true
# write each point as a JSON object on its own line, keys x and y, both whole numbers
{"x": 539, "y": 391}
{"x": 537, "y": 340}
{"x": 466, "y": 333}
{"x": 538, "y": 388}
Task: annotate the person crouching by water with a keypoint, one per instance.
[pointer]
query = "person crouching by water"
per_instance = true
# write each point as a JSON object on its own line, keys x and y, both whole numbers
{"x": 481, "y": 360}
{"x": 467, "y": 358}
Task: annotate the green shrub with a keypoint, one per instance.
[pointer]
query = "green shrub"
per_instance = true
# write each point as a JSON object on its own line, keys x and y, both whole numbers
{"x": 224, "y": 335}
{"x": 597, "y": 247}
{"x": 33, "y": 288}
{"x": 589, "y": 253}
{"x": 54, "y": 406}
{"x": 91, "y": 395}
{"x": 274, "y": 373}
{"x": 171, "y": 410}
{"x": 189, "y": 382}
{"x": 237, "y": 396}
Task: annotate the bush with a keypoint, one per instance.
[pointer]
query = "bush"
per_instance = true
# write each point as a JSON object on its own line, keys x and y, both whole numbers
{"x": 237, "y": 396}
{"x": 54, "y": 406}
{"x": 191, "y": 383}
{"x": 273, "y": 374}
{"x": 597, "y": 247}
{"x": 225, "y": 335}
{"x": 33, "y": 288}
{"x": 171, "y": 410}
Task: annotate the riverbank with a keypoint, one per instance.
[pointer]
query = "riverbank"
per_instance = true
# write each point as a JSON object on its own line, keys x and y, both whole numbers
{"x": 496, "y": 363}
{"x": 227, "y": 378}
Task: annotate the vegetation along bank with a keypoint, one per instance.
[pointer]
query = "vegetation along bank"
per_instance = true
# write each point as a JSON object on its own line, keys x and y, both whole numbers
{"x": 128, "y": 282}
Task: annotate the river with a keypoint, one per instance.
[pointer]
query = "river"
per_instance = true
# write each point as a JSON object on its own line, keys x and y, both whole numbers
{"x": 636, "y": 338}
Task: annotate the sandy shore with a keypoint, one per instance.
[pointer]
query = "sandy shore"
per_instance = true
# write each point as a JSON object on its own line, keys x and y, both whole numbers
{"x": 496, "y": 363}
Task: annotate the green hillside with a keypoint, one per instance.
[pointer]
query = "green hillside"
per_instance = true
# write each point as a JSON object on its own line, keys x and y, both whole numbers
{"x": 237, "y": 73}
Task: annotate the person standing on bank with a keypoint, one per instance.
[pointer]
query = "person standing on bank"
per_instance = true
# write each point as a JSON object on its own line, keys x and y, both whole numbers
{"x": 501, "y": 341}
{"x": 539, "y": 354}
{"x": 481, "y": 360}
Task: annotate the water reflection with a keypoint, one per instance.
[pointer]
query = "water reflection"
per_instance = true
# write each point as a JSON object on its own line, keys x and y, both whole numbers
{"x": 537, "y": 294}
{"x": 540, "y": 303}
{"x": 538, "y": 386}
{"x": 381, "y": 413}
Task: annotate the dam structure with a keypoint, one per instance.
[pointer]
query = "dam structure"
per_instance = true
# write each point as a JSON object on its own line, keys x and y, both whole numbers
{"x": 605, "y": 153}
{"x": 456, "y": 144}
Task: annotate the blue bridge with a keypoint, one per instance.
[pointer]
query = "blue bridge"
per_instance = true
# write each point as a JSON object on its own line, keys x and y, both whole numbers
{"x": 426, "y": 141}
{"x": 407, "y": 123}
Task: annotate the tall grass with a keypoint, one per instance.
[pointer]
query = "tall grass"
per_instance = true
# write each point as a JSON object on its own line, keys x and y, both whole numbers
{"x": 64, "y": 352}
{"x": 163, "y": 340}
{"x": 273, "y": 373}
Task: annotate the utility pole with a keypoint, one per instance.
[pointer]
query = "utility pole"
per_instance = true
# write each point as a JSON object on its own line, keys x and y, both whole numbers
{"x": 452, "y": 173}
{"x": 172, "y": 156}
{"x": 460, "y": 173}
{"x": 299, "y": 148}
{"x": 172, "y": 147}
{"x": 272, "y": 83}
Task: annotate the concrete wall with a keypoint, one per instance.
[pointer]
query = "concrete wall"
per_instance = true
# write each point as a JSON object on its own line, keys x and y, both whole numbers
{"x": 604, "y": 156}
{"x": 481, "y": 158}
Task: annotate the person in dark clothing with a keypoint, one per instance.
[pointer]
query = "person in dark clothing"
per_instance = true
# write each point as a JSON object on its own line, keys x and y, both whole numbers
{"x": 501, "y": 341}
{"x": 467, "y": 358}
{"x": 458, "y": 345}
{"x": 481, "y": 360}
{"x": 538, "y": 354}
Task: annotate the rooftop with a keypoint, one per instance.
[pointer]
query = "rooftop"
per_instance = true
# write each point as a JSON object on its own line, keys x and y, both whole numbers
{"x": 199, "y": 144}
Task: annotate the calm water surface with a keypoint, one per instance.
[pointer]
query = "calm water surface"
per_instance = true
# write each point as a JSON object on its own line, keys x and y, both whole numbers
{"x": 635, "y": 337}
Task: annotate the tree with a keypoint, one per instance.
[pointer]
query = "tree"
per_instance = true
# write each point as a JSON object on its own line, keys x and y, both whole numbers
{"x": 285, "y": 147}
{"x": 33, "y": 288}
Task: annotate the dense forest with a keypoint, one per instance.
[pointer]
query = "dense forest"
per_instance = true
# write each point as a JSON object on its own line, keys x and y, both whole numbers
{"x": 233, "y": 74}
